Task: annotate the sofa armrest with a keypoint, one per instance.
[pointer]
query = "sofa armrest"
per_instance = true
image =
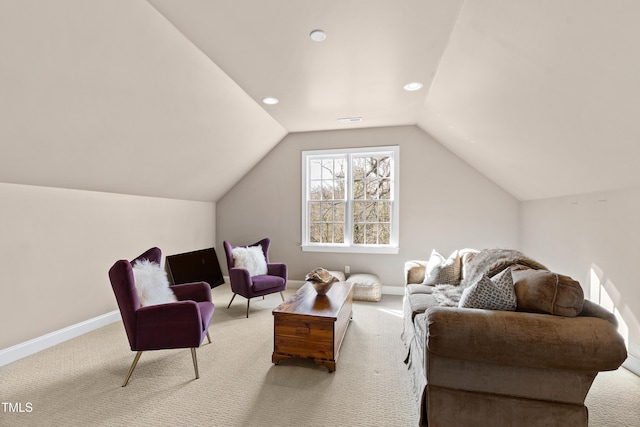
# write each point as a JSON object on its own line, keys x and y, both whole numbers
{"x": 525, "y": 339}
{"x": 414, "y": 271}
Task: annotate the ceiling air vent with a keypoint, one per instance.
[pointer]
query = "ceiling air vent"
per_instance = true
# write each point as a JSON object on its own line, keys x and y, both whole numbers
{"x": 350, "y": 120}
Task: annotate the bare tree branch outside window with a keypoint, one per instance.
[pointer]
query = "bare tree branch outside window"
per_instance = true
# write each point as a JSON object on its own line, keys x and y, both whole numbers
{"x": 371, "y": 184}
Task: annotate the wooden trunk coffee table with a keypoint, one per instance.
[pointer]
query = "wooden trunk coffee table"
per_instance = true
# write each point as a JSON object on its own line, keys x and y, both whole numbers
{"x": 312, "y": 326}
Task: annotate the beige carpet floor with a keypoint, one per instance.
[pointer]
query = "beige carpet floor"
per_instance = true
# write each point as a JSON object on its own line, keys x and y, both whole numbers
{"x": 78, "y": 383}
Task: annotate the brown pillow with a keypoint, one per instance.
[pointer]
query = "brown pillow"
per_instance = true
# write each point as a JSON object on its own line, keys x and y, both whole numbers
{"x": 541, "y": 291}
{"x": 415, "y": 274}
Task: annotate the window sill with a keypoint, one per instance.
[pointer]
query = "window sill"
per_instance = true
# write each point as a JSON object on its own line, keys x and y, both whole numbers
{"x": 351, "y": 249}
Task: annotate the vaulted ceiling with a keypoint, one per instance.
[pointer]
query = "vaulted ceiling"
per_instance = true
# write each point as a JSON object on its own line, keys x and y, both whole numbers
{"x": 163, "y": 97}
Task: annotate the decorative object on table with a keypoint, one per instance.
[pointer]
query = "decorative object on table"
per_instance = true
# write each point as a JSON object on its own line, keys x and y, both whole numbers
{"x": 250, "y": 272}
{"x": 321, "y": 280}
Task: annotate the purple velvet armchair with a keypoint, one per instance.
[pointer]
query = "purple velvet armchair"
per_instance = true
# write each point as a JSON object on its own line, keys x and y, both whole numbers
{"x": 242, "y": 283}
{"x": 181, "y": 324}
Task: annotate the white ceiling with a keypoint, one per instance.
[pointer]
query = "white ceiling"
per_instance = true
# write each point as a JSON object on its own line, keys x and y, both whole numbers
{"x": 373, "y": 47}
{"x": 162, "y": 97}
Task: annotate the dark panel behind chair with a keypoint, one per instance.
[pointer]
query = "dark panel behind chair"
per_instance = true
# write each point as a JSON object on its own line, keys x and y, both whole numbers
{"x": 196, "y": 266}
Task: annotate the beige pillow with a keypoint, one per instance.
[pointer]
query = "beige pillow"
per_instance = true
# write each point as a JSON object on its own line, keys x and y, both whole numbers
{"x": 414, "y": 272}
{"x": 443, "y": 271}
{"x": 542, "y": 291}
{"x": 466, "y": 255}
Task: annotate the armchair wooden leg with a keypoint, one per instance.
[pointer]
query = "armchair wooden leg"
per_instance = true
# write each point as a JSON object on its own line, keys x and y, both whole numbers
{"x": 234, "y": 295}
{"x": 195, "y": 361}
{"x": 208, "y": 337}
{"x": 133, "y": 366}
{"x": 282, "y": 296}
{"x": 248, "y": 299}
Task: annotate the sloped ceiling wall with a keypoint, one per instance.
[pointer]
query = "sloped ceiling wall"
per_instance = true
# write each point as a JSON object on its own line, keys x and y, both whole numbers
{"x": 372, "y": 48}
{"x": 542, "y": 96}
{"x": 109, "y": 96}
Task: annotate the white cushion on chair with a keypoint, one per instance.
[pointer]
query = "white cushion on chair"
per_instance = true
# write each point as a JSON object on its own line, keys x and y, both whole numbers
{"x": 251, "y": 259}
{"x": 152, "y": 283}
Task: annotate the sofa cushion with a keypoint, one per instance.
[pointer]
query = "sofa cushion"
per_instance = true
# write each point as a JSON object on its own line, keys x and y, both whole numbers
{"x": 263, "y": 282}
{"x": 440, "y": 270}
{"x": 495, "y": 293}
{"x": 591, "y": 309}
{"x": 419, "y": 303}
{"x": 542, "y": 291}
{"x": 417, "y": 288}
{"x": 466, "y": 255}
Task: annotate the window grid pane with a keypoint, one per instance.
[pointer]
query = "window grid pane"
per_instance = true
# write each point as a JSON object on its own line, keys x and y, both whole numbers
{"x": 372, "y": 185}
{"x": 371, "y": 206}
{"x": 326, "y": 205}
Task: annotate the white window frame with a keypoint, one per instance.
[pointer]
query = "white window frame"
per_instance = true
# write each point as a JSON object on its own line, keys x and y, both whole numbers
{"x": 348, "y": 246}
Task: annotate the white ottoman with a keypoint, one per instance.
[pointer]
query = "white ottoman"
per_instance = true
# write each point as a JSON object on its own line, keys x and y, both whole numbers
{"x": 366, "y": 287}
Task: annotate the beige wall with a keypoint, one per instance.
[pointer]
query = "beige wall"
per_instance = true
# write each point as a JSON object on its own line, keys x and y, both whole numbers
{"x": 573, "y": 235}
{"x": 444, "y": 204}
{"x": 57, "y": 246}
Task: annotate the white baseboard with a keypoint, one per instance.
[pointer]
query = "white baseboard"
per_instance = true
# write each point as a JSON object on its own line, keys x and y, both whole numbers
{"x": 633, "y": 364}
{"x": 27, "y": 348}
{"x": 393, "y": 290}
{"x": 297, "y": 284}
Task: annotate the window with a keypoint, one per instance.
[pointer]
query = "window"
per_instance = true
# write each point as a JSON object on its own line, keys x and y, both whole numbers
{"x": 350, "y": 200}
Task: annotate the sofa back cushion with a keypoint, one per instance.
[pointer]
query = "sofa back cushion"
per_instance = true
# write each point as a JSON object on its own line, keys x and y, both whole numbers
{"x": 466, "y": 255}
{"x": 542, "y": 291}
{"x": 440, "y": 270}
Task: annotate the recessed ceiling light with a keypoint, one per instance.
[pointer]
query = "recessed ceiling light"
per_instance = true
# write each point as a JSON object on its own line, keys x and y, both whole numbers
{"x": 270, "y": 100}
{"x": 413, "y": 86}
{"x": 318, "y": 35}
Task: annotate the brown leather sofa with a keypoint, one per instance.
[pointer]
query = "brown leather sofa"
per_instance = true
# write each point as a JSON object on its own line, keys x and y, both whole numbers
{"x": 474, "y": 367}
